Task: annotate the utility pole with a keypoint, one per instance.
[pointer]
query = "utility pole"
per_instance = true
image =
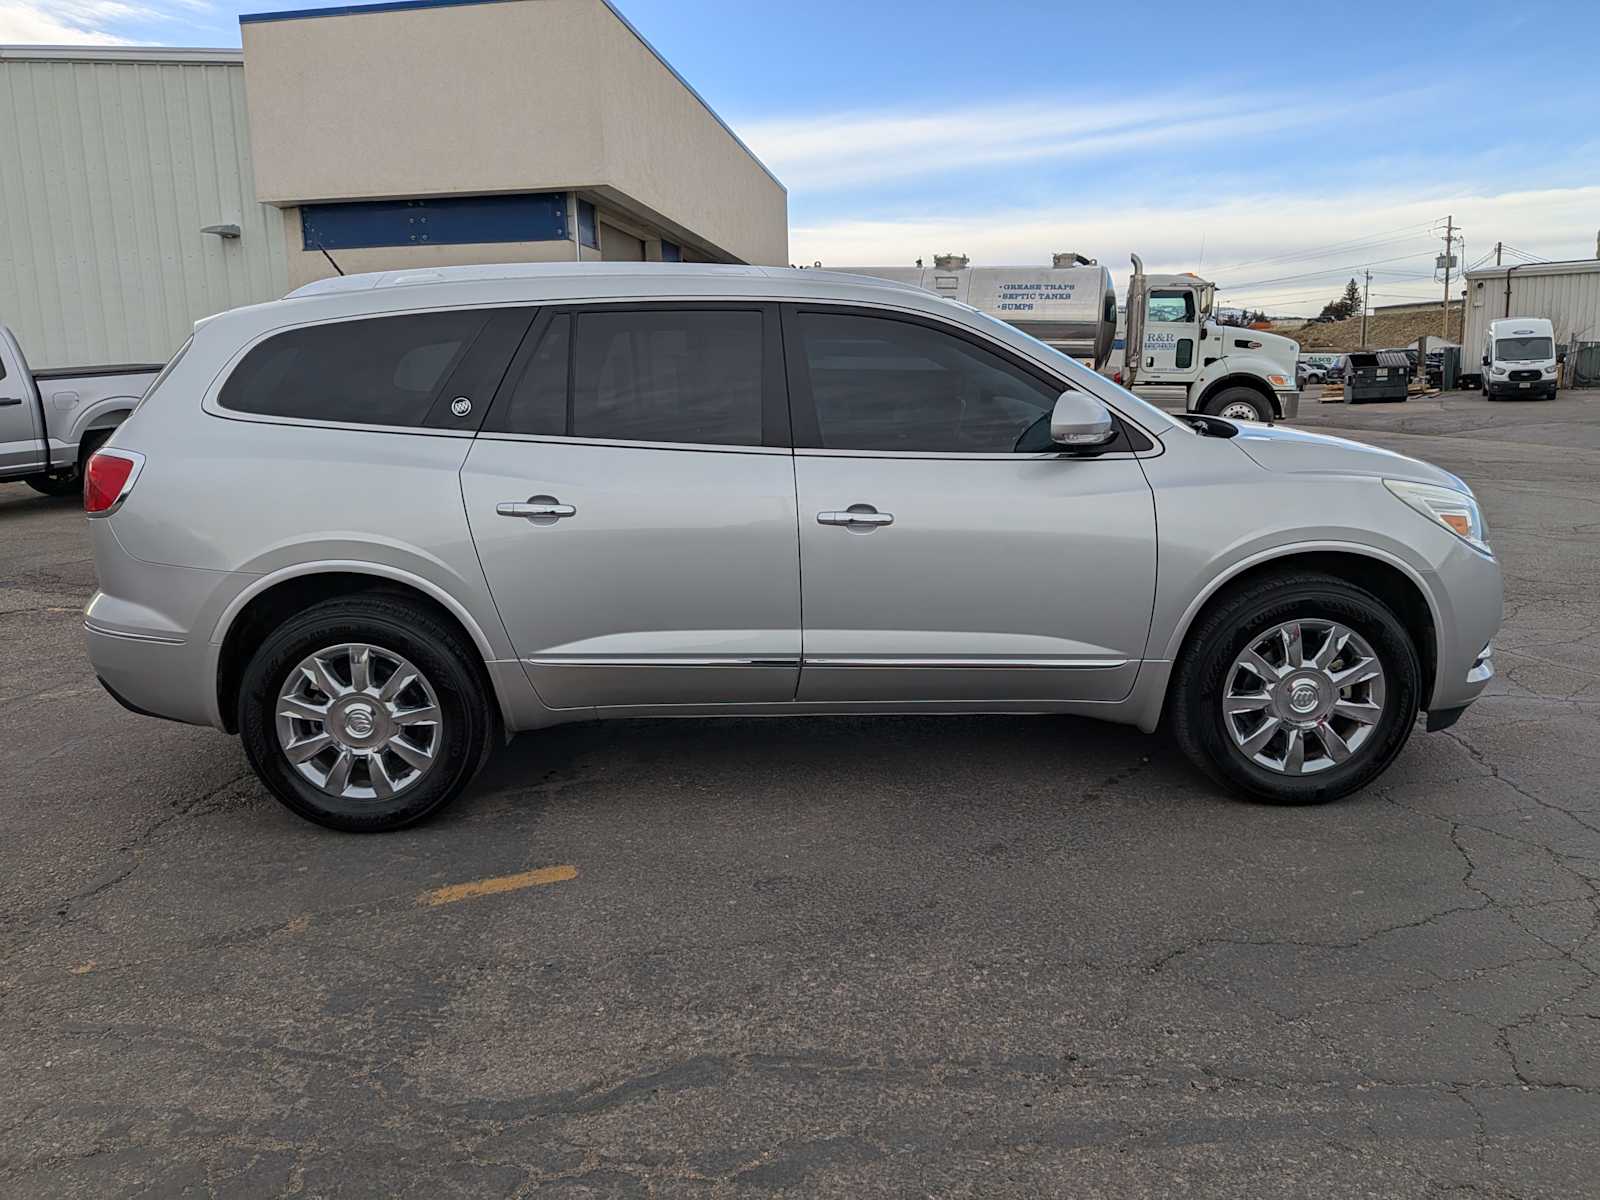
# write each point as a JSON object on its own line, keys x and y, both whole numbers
{"x": 1365, "y": 296}
{"x": 1498, "y": 246}
{"x": 1449, "y": 236}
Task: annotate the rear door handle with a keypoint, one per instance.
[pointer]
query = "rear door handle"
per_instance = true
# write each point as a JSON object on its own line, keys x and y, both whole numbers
{"x": 856, "y": 514}
{"x": 535, "y": 506}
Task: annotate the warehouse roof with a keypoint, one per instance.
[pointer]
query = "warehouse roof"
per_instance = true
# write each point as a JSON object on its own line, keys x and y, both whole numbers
{"x": 1572, "y": 266}
{"x": 149, "y": 54}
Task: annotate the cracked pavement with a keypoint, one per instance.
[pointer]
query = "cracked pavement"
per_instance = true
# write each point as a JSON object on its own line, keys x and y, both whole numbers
{"x": 919, "y": 956}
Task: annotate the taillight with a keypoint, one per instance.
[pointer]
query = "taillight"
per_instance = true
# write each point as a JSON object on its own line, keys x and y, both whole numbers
{"x": 107, "y": 480}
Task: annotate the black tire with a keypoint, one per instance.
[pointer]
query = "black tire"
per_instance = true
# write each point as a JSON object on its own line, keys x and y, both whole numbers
{"x": 70, "y": 483}
{"x": 468, "y": 721}
{"x": 1239, "y": 395}
{"x": 1246, "y": 613}
{"x": 61, "y": 483}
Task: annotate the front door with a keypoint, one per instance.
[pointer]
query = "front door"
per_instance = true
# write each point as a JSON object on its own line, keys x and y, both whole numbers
{"x": 631, "y": 495}
{"x": 948, "y": 552}
{"x": 1171, "y": 333}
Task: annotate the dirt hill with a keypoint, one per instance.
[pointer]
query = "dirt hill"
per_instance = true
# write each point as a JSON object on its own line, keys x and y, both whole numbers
{"x": 1384, "y": 330}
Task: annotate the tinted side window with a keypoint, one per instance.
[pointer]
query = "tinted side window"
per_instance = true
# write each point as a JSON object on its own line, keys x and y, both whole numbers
{"x": 377, "y": 371}
{"x": 535, "y": 402}
{"x": 883, "y": 384}
{"x": 669, "y": 376}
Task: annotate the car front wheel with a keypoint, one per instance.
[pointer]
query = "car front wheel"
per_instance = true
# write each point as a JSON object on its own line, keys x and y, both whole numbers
{"x": 365, "y": 714}
{"x": 1297, "y": 690}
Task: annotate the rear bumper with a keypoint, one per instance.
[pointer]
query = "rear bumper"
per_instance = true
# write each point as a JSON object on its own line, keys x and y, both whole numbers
{"x": 1543, "y": 389}
{"x": 148, "y": 630}
{"x": 154, "y": 676}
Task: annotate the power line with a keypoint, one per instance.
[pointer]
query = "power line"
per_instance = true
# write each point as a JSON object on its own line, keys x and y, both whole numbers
{"x": 1411, "y": 231}
{"x": 1314, "y": 274}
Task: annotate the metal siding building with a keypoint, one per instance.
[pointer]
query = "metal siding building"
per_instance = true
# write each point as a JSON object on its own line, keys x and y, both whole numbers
{"x": 1565, "y": 293}
{"x": 402, "y": 135}
{"x": 116, "y": 158}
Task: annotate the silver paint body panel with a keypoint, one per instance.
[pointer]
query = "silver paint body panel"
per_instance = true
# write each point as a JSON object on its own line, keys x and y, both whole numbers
{"x": 698, "y": 581}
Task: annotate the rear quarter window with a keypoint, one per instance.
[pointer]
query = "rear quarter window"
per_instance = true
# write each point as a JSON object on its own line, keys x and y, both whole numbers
{"x": 373, "y": 371}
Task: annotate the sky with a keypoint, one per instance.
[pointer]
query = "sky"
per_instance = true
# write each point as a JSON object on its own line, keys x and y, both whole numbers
{"x": 1277, "y": 149}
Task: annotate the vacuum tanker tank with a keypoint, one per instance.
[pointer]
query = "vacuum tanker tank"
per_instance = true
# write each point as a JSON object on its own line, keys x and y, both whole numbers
{"x": 1071, "y": 306}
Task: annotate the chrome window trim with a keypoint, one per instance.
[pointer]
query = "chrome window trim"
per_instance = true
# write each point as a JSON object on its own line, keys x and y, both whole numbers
{"x": 209, "y": 398}
{"x": 1001, "y": 348}
{"x": 1040, "y": 456}
{"x": 701, "y": 447}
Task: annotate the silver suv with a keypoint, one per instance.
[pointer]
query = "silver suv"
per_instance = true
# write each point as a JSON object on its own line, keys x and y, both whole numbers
{"x": 380, "y": 524}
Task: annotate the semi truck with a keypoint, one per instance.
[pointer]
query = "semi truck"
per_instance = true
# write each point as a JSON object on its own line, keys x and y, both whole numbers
{"x": 1185, "y": 359}
{"x": 51, "y": 421}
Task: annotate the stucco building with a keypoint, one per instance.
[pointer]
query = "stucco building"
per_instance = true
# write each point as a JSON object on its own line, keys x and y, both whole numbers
{"x": 147, "y": 188}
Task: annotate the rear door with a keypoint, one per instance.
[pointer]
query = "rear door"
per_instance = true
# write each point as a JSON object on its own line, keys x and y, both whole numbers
{"x": 631, "y": 494}
{"x": 948, "y": 551}
{"x": 21, "y": 438}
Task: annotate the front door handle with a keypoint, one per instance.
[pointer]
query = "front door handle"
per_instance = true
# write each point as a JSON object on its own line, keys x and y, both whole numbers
{"x": 535, "y": 506}
{"x": 857, "y": 515}
{"x": 8, "y": 401}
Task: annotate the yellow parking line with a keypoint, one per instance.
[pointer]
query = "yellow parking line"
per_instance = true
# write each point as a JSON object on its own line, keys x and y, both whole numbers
{"x": 497, "y": 884}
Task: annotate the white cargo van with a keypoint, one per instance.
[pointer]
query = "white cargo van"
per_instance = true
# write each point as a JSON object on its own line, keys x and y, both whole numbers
{"x": 1518, "y": 359}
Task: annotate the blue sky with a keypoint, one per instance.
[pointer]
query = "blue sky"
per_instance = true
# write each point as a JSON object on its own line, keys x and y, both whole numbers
{"x": 1275, "y": 152}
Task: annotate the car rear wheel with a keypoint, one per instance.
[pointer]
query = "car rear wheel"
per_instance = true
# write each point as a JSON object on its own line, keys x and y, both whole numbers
{"x": 365, "y": 714}
{"x": 1297, "y": 690}
{"x": 1239, "y": 404}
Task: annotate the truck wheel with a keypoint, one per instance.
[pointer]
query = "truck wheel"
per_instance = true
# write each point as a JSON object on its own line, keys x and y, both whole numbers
{"x": 1239, "y": 404}
{"x": 61, "y": 483}
{"x": 365, "y": 713}
{"x": 1296, "y": 689}
{"x": 70, "y": 483}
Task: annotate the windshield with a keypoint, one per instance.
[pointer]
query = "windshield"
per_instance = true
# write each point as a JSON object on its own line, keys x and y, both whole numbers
{"x": 1524, "y": 349}
{"x": 1152, "y": 418}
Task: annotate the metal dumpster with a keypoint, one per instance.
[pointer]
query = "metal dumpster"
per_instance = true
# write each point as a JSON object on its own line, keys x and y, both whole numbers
{"x": 1376, "y": 375}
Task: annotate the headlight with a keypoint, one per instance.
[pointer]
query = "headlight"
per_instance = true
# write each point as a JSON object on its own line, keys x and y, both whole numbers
{"x": 1497, "y": 370}
{"x": 1456, "y": 511}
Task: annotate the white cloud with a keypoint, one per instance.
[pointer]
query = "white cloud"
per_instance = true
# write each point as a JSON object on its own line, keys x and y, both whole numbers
{"x": 833, "y": 151}
{"x": 83, "y": 22}
{"x": 1384, "y": 229}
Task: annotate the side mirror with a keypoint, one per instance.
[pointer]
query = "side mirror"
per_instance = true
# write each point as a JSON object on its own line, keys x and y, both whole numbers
{"x": 1561, "y": 357}
{"x": 1486, "y": 360}
{"x": 1080, "y": 422}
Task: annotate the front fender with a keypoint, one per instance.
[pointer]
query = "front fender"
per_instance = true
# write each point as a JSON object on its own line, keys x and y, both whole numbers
{"x": 1241, "y": 369}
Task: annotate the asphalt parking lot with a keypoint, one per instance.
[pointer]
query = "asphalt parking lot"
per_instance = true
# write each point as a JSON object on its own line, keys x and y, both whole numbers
{"x": 920, "y": 956}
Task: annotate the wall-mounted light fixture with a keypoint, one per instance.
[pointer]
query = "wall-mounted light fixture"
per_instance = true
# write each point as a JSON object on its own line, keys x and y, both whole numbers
{"x": 222, "y": 231}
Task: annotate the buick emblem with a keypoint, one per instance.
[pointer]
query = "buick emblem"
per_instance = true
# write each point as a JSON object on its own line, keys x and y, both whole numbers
{"x": 461, "y": 406}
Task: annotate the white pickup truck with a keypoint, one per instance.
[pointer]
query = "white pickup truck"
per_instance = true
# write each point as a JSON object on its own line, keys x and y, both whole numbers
{"x": 51, "y": 421}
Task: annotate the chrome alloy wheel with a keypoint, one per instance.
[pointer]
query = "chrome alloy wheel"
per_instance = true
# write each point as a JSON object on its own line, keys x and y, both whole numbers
{"x": 1240, "y": 411}
{"x": 1303, "y": 697}
{"x": 358, "y": 721}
